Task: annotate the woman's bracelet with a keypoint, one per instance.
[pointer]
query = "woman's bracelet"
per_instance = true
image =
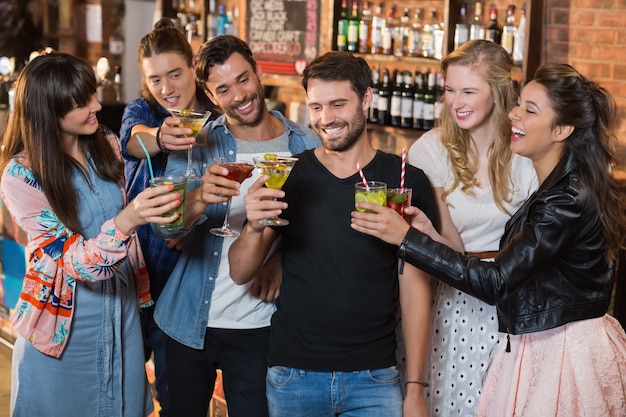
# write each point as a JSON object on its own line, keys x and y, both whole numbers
{"x": 158, "y": 141}
{"x": 424, "y": 384}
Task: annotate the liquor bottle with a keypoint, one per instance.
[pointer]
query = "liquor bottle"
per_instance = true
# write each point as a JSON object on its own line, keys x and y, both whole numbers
{"x": 211, "y": 19}
{"x": 519, "y": 40}
{"x": 342, "y": 27}
{"x": 378, "y": 23}
{"x": 401, "y": 35}
{"x": 406, "y": 109}
{"x": 461, "y": 29}
{"x": 388, "y": 31}
{"x": 477, "y": 28}
{"x": 438, "y": 37}
{"x": 418, "y": 101}
{"x": 353, "y": 28}
{"x": 508, "y": 30}
{"x": 428, "y": 120}
{"x": 414, "y": 43}
{"x": 373, "y": 111}
{"x": 384, "y": 99}
{"x": 493, "y": 32}
{"x": 365, "y": 28}
{"x": 222, "y": 20}
{"x": 428, "y": 36}
{"x": 395, "y": 108}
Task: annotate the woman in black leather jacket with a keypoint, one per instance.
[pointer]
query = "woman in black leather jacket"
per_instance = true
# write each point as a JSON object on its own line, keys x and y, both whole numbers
{"x": 553, "y": 277}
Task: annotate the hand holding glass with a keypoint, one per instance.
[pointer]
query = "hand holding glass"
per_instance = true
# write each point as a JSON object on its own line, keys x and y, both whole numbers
{"x": 180, "y": 186}
{"x": 193, "y": 120}
{"x": 372, "y": 192}
{"x": 237, "y": 171}
{"x": 278, "y": 169}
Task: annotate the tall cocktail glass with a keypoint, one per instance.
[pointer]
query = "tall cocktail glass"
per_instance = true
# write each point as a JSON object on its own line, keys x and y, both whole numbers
{"x": 193, "y": 120}
{"x": 237, "y": 171}
{"x": 278, "y": 169}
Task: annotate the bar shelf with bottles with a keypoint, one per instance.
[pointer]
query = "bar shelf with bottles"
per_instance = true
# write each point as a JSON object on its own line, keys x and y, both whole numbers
{"x": 412, "y": 36}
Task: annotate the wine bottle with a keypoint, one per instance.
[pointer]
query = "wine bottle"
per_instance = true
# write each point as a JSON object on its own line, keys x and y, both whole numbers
{"x": 493, "y": 32}
{"x": 428, "y": 121}
{"x": 508, "y": 30}
{"x": 406, "y": 109}
{"x": 395, "y": 108}
{"x": 477, "y": 28}
{"x": 342, "y": 27}
{"x": 418, "y": 101}
{"x": 461, "y": 29}
{"x": 378, "y": 23}
{"x": 353, "y": 28}
{"x": 365, "y": 28}
{"x": 373, "y": 111}
{"x": 414, "y": 42}
{"x": 520, "y": 39}
{"x": 384, "y": 98}
{"x": 428, "y": 37}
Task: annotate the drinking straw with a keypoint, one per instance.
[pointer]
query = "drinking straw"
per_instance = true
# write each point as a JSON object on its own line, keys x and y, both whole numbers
{"x": 402, "y": 170}
{"x": 147, "y": 157}
{"x": 358, "y": 167}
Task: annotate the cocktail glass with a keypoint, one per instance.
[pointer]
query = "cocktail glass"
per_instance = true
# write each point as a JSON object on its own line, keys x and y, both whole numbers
{"x": 399, "y": 199}
{"x": 370, "y": 192}
{"x": 180, "y": 186}
{"x": 193, "y": 120}
{"x": 278, "y": 169}
{"x": 237, "y": 171}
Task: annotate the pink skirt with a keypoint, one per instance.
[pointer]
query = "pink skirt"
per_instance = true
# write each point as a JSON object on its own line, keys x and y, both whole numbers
{"x": 575, "y": 370}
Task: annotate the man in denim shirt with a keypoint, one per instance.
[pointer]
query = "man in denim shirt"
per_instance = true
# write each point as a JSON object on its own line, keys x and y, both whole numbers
{"x": 211, "y": 322}
{"x": 168, "y": 81}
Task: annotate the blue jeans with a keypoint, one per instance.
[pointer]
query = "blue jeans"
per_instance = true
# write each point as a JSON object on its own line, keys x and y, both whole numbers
{"x": 370, "y": 393}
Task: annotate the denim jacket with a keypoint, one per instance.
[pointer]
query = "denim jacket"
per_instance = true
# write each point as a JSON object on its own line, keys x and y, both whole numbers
{"x": 182, "y": 309}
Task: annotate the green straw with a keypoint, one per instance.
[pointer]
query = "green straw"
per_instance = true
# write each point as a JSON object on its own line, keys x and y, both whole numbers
{"x": 147, "y": 157}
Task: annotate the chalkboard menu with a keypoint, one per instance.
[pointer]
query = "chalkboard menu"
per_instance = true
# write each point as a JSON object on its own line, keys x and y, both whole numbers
{"x": 283, "y": 34}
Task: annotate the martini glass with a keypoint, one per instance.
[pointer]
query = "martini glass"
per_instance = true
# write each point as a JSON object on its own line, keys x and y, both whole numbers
{"x": 237, "y": 171}
{"x": 278, "y": 169}
{"x": 193, "y": 120}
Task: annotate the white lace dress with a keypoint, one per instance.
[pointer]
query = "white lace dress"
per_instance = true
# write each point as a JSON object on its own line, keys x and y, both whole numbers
{"x": 464, "y": 329}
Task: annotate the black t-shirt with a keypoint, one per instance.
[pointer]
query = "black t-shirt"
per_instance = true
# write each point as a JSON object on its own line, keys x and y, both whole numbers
{"x": 339, "y": 292}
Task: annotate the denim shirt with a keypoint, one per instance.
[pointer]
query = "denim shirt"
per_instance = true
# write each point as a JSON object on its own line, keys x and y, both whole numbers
{"x": 182, "y": 309}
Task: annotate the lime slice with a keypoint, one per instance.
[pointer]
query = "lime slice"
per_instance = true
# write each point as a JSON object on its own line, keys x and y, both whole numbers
{"x": 360, "y": 198}
{"x": 379, "y": 198}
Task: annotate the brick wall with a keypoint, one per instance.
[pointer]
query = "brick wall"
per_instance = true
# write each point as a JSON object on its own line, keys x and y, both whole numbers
{"x": 591, "y": 36}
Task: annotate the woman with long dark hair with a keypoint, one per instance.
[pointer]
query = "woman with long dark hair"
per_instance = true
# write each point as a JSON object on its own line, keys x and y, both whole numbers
{"x": 79, "y": 349}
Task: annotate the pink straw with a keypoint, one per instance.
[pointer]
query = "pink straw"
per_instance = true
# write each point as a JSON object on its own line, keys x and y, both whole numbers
{"x": 358, "y": 167}
{"x": 402, "y": 170}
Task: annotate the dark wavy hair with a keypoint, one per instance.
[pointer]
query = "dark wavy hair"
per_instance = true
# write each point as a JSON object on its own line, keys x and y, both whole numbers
{"x": 47, "y": 89}
{"x": 590, "y": 109}
{"x": 340, "y": 66}
{"x": 216, "y": 51}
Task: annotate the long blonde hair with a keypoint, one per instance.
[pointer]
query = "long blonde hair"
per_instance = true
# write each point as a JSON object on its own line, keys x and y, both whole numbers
{"x": 493, "y": 64}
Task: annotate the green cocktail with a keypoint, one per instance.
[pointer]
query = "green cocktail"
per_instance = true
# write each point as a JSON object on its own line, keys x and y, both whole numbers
{"x": 180, "y": 186}
{"x": 370, "y": 192}
{"x": 277, "y": 168}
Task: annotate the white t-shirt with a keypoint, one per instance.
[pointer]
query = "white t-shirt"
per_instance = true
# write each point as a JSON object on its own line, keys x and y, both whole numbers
{"x": 232, "y": 305}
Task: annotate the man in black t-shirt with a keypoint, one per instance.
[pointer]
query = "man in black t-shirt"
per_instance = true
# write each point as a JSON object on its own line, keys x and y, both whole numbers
{"x": 332, "y": 345}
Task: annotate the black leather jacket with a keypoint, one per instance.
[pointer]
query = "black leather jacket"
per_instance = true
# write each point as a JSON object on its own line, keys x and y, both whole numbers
{"x": 551, "y": 268}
